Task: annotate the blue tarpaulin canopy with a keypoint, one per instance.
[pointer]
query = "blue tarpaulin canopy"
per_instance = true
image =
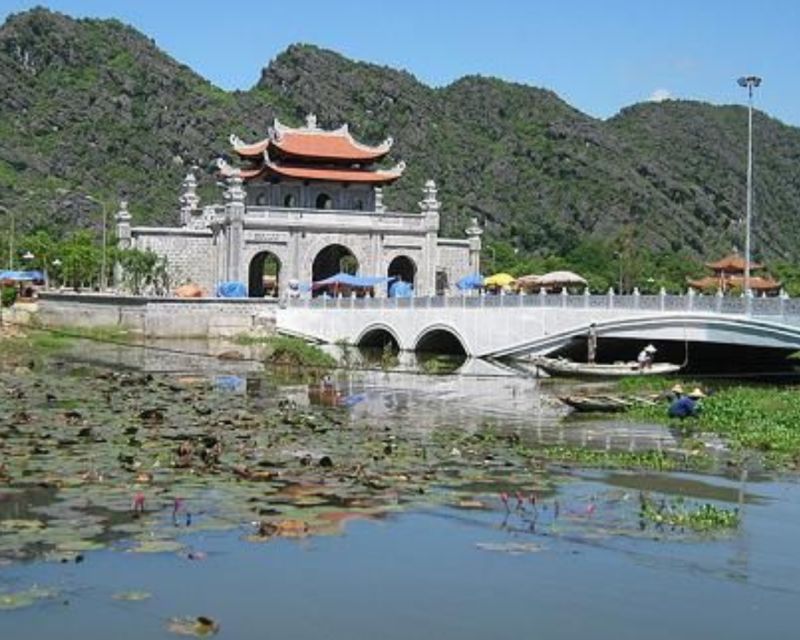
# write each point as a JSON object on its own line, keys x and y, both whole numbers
{"x": 231, "y": 290}
{"x": 349, "y": 280}
{"x": 21, "y": 276}
{"x": 472, "y": 281}
{"x": 401, "y": 289}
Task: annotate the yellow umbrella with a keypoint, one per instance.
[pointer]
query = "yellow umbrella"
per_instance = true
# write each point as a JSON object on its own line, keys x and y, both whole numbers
{"x": 498, "y": 280}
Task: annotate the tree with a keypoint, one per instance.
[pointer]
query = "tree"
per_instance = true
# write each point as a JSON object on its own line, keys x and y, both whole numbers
{"x": 141, "y": 269}
{"x": 80, "y": 259}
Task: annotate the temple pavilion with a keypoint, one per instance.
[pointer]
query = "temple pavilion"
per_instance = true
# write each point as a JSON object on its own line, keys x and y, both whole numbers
{"x": 302, "y": 204}
{"x": 729, "y": 276}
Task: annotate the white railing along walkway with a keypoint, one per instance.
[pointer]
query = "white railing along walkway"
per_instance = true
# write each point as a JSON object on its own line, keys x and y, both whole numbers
{"x": 779, "y": 306}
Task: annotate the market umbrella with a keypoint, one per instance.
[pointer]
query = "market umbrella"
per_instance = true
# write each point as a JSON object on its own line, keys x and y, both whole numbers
{"x": 530, "y": 281}
{"x": 562, "y": 279}
{"x": 472, "y": 281}
{"x": 499, "y": 280}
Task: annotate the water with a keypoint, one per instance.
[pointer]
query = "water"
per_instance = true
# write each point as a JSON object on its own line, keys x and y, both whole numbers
{"x": 577, "y": 567}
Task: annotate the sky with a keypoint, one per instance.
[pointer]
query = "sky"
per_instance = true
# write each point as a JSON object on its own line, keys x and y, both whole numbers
{"x": 600, "y": 56}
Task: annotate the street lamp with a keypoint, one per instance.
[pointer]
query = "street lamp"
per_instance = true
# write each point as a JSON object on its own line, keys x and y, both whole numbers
{"x": 749, "y": 82}
{"x": 618, "y": 255}
{"x": 56, "y": 265}
{"x": 10, "y": 238}
{"x": 103, "y": 277}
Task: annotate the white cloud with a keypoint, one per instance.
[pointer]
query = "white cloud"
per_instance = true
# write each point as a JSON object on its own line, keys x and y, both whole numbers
{"x": 659, "y": 95}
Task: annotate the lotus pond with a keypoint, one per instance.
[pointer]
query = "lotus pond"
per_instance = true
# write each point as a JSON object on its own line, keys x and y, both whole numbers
{"x": 185, "y": 490}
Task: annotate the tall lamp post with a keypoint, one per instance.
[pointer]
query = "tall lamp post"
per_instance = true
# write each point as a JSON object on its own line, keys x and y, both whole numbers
{"x": 10, "y": 237}
{"x": 103, "y": 276}
{"x": 749, "y": 82}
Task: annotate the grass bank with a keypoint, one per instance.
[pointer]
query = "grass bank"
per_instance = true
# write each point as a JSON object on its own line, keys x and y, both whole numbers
{"x": 288, "y": 352}
{"x": 33, "y": 340}
{"x": 761, "y": 419}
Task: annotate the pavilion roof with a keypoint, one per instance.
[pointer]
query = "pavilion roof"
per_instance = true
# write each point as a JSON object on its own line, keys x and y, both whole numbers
{"x": 733, "y": 263}
{"x": 312, "y": 143}
{"x": 757, "y": 283}
{"x": 316, "y": 172}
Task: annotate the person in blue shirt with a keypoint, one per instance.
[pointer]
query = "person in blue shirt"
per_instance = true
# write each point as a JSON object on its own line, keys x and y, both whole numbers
{"x": 686, "y": 406}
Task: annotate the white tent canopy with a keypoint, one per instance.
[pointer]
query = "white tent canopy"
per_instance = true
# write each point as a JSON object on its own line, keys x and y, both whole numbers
{"x": 562, "y": 279}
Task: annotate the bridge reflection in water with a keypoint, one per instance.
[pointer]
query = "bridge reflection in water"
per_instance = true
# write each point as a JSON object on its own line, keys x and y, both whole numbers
{"x": 481, "y": 397}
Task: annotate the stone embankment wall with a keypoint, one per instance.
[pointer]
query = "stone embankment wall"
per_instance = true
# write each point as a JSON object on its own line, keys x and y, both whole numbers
{"x": 159, "y": 317}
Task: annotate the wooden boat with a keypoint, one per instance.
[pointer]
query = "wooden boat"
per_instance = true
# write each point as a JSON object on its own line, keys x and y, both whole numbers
{"x": 564, "y": 367}
{"x": 596, "y": 404}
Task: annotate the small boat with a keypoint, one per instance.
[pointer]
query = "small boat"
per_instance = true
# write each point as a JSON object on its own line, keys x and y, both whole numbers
{"x": 596, "y": 404}
{"x": 564, "y": 367}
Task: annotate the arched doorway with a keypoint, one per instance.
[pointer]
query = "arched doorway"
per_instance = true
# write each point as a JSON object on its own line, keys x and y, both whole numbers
{"x": 263, "y": 280}
{"x": 403, "y": 267}
{"x": 324, "y": 201}
{"x": 331, "y": 260}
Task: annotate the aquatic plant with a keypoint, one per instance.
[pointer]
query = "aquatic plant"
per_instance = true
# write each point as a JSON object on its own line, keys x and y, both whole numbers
{"x": 761, "y": 419}
{"x": 677, "y": 512}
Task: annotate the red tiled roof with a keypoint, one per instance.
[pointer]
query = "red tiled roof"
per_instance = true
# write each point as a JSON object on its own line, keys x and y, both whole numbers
{"x": 733, "y": 263}
{"x": 312, "y": 142}
{"x": 330, "y": 174}
{"x": 757, "y": 283}
{"x": 328, "y": 147}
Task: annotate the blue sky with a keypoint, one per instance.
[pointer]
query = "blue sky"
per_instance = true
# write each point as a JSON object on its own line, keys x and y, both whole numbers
{"x": 599, "y": 56}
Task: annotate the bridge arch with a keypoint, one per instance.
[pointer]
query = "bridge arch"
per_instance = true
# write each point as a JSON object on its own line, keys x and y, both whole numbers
{"x": 441, "y": 338}
{"x": 378, "y": 335}
{"x": 735, "y": 331}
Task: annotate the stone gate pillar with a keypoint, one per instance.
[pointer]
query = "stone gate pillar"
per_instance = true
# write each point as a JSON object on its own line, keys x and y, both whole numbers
{"x": 474, "y": 233}
{"x": 189, "y": 200}
{"x": 235, "y": 195}
{"x": 429, "y": 207}
{"x": 124, "y": 237}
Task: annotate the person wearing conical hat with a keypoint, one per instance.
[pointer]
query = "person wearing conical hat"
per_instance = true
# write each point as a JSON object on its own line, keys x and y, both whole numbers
{"x": 674, "y": 393}
{"x": 686, "y": 406}
{"x": 646, "y": 357}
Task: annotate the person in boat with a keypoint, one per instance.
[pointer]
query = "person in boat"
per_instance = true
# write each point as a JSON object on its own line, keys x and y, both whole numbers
{"x": 646, "y": 357}
{"x": 591, "y": 344}
{"x": 687, "y": 406}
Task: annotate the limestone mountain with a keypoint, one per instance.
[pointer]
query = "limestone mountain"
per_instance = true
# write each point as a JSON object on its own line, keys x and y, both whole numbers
{"x": 95, "y": 107}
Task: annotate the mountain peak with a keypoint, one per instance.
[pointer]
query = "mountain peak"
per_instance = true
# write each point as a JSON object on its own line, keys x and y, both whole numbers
{"x": 94, "y": 106}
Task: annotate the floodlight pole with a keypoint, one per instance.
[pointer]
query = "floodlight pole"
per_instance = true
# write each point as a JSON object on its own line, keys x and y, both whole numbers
{"x": 10, "y": 215}
{"x": 103, "y": 277}
{"x": 749, "y": 82}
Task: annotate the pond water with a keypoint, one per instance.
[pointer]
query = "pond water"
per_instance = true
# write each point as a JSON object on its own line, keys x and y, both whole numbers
{"x": 413, "y": 537}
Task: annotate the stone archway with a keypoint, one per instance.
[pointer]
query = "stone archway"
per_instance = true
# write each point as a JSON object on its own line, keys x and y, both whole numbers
{"x": 331, "y": 260}
{"x": 264, "y": 275}
{"x": 404, "y": 268}
{"x": 440, "y": 339}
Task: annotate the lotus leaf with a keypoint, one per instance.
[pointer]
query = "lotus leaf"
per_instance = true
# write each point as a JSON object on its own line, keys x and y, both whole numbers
{"x": 199, "y": 627}
{"x": 132, "y": 596}
{"x": 26, "y": 598}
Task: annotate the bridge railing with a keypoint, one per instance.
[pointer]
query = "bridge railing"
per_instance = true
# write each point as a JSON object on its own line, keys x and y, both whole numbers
{"x": 779, "y": 306}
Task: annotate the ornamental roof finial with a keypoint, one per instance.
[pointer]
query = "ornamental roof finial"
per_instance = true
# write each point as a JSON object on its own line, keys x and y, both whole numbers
{"x": 311, "y": 122}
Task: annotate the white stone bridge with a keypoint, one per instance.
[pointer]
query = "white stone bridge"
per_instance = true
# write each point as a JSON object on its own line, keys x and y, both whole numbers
{"x": 520, "y": 325}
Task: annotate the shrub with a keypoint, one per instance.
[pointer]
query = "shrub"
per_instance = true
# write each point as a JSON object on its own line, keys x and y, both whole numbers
{"x": 8, "y": 295}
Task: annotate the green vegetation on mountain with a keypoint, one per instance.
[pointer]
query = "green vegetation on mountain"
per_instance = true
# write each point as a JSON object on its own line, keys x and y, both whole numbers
{"x": 92, "y": 107}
